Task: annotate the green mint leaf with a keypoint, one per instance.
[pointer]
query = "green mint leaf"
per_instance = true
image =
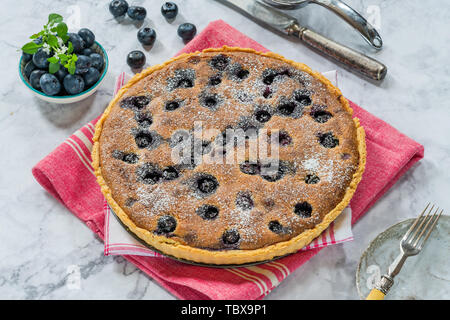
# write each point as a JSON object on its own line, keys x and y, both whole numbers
{"x": 54, "y": 18}
{"x": 31, "y": 47}
{"x": 61, "y": 29}
{"x": 63, "y": 58}
{"x": 70, "y": 48}
{"x": 52, "y": 41}
{"x": 71, "y": 68}
{"x": 35, "y": 36}
{"x": 64, "y": 37}
{"x": 74, "y": 58}
{"x": 53, "y": 67}
{"x": 53, "y": 60}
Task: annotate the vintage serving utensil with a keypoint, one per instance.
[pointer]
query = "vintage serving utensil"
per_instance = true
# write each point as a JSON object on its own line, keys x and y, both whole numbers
{"x": 352, "y": 17}
{"x": 353, "y": 60}
{"x": 410, "y": 245}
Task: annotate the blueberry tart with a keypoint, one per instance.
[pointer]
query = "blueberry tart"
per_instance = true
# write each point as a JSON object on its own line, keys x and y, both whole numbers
{"x": 165, "y": 180}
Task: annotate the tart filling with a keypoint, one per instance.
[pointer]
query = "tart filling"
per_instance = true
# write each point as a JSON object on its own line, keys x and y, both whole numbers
{"x": 216, "y": 202}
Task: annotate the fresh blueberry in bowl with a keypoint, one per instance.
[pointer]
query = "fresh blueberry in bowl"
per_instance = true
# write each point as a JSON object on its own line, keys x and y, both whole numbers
{"x": 26, "y": 57}
{"x": 146, "y": 36}
{"x": 87, "y": 36}
{"x": 87, "y": 52}
{"x": 83, "y": 64}
{"x": 29, "y": 67}
{"x": 40, "y": 59}
{"x": 54, "y": 67}
{"x": 136, "y": 59}
{"x": 118, "y": 8}
{"x": 169, "y": 10}
{"x": 91, "y": 76}
{"x": 50, "y": 85}
{"x": 96, "y": 61}
{"x": 187, "y": 31}
{"x": 137, "y": 13}
{"x": 77, "y": 42}
{"x": 61, "y": 73}
{"x": 73, "y": 83}
{"x": 35, "y": 77}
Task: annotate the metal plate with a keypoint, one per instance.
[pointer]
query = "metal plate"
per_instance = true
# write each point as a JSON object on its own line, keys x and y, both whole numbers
{"x": 425, "y": 276}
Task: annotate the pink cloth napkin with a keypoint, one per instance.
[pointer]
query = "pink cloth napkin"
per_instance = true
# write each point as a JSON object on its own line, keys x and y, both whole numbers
{"x": 67, "y": 174}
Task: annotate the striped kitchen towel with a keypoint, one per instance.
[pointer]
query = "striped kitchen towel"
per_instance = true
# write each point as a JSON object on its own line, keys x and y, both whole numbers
{"x": 66, "y": 173}
{"x": 119, "y": 242}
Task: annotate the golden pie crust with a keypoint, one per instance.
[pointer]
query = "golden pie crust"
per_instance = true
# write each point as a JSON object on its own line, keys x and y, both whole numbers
{"x": 242, "y": 91}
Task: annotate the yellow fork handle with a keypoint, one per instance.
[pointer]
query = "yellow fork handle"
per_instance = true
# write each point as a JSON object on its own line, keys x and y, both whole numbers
{"x": 375, "y": 294}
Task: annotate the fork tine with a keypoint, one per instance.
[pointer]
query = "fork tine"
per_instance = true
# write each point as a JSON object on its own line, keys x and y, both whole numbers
{"x": 428, "y": 218}
{"x": 419, "y": 227}
{"x": 436, "y": 218}
{"x": 415, "y": 223}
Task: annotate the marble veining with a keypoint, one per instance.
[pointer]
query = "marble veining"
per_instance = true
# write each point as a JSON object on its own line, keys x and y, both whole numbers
{"x": 48, "y": 254}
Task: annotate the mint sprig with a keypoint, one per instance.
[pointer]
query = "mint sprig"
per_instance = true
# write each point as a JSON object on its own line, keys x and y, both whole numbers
{"x": 54, "y": 40}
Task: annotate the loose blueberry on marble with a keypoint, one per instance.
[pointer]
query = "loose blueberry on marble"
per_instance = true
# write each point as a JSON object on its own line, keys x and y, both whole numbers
{"x": 77, "y": 42}
{"x": 328, "y": 140}
{"x": 35, "y": 77}
{"x": 136, "y": 13}
{"x": 50, "y": 85}
{"x": 136, "y": 59}
{"x": 244, "y": 200}
{"x": 146, "y": 36}
{"x": 29, "y": 67}
{"x": 82, "y": 65}
{"x": 87, "y": 36}
{"x": 275, "y": 227}
{"x": 208, "y": 212}
{"x": 303, "y": 209}
{"x": 87, "y": 52}
{"x": 170, "y": 173}
{"x": 96, "y": 61}
{"x": 118, "y": 8}
{"x": 187, "y": 31}
{"x": 219, "y": 62}
{"x": 206, "y": 184}
{"x": 311, "y": 179}
{"x": 321, "y": 116}
{"x": 40, "y": 59}
{"x": 149, "y": 173}
{"x": 73, "y": 83}
{"x": 166, "y": 224}
{"x": 230, "y": 237}
{"x": 91, "y": 76}
{"x": 169, "y": 10}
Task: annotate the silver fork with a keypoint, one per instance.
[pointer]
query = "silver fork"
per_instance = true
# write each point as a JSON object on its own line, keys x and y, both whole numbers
{"x": 410, "y": 245}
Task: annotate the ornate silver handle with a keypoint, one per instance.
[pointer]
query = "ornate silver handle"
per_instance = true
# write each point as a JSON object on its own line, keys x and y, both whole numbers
{"x": 350, "y": 58}
{"x": 353, "y": 18}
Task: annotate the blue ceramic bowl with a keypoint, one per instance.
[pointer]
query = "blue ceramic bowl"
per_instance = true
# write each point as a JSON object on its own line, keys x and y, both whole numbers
{"x": 97, "y": 48}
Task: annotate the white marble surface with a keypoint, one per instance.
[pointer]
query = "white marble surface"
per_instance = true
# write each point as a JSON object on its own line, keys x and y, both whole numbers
{"x": 40, "y": 241}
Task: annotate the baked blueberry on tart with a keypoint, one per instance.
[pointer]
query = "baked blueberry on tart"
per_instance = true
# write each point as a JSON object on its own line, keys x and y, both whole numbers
{"x": 192, "y": 194}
